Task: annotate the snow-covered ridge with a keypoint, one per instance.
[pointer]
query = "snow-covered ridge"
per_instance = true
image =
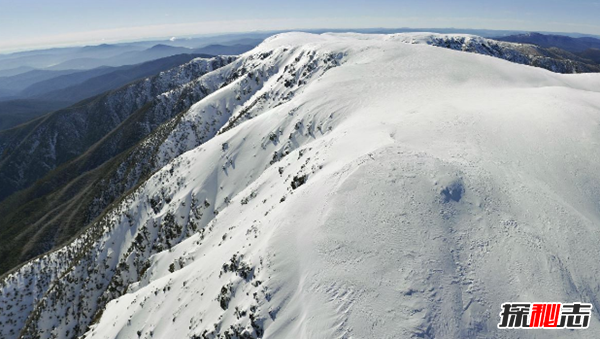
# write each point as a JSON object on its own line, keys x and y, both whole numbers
{"x": 341, "y": 186}
{"x": 238, "y": 80}
{"x": 26, "y": 156}
{"x": 525, "y": 54}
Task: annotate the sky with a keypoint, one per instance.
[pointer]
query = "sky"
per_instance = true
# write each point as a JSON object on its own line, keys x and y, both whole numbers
{"x": 32, "y": 24}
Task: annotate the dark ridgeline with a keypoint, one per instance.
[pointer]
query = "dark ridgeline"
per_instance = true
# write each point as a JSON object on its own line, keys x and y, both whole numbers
{"x": 66, "y": 166}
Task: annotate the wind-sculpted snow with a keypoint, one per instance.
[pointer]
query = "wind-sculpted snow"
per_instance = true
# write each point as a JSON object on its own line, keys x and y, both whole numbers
{"x": 338, "y": 186}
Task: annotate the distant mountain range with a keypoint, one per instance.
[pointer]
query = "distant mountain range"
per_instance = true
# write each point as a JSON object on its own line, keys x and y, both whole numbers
{"x": 14, "y": 84}
{"x": 592, "y": 54}
{"x": 82, "y": 85}
{"x": 35, "y": 81}
{"x": 82, "y": 58}
{"x": 69, "y": 145}
{"x": 584, "y": 47}
{"x": 560, "y": 41}
{"x": 64, "y": 90}
{"x": 553, "y": 59}
{"x": 34, "y": 92}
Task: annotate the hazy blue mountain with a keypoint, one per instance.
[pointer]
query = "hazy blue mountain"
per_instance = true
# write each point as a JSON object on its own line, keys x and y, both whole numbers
{"x": 55, "y": 56}
{"x": 29, "y": 152}
{"x": 77, "y": 152}
{"x": 560, "y": 41}
{"x": 21, "y": 81}
{"x": 15, "y": 71}
{"x": 254, "y": 39}
{"x": 591, "y": 54}
{"x": 80, "y": 64}
{"x": 107, "y": 51}
{"x": 111, "y": 78}
{"x": 62, "y": 91}
{"x": 64, "y": 81}
{"x": 39, "y": 52}
{"x": 161, "y": 48}
{"x": 16, "y": 112}
{"x": 7, "y": 94}
{"x": 127, "y": 58}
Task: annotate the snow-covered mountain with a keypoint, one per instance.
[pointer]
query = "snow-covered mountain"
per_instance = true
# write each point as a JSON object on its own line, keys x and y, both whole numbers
{"x": 59, "y": 162}
{"x": 94, "y": 161}
{"x": 552, "y": 59}
{"x": 29, "y": 152}
{"x": 337, "y": 186}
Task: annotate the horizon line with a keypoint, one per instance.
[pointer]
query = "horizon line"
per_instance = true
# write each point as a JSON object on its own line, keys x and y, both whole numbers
{"x": 163, "y": 38}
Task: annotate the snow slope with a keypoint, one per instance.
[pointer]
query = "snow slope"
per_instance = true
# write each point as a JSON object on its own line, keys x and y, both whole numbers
{"x": 363, "y": 187}
{"x": 552, "y": 59}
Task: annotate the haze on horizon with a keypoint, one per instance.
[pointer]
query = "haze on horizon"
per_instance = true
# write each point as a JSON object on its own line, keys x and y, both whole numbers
{"x": 34, "y": 24}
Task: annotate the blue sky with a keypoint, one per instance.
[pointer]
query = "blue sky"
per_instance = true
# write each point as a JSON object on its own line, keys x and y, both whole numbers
{"x": 38, "y": 23}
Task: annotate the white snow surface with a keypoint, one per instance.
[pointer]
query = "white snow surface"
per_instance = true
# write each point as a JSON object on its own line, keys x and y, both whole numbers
{"x": 439, "y": 184}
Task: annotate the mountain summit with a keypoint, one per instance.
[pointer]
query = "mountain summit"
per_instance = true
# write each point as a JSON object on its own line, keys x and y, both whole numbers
{"x": 336, "y": 186}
